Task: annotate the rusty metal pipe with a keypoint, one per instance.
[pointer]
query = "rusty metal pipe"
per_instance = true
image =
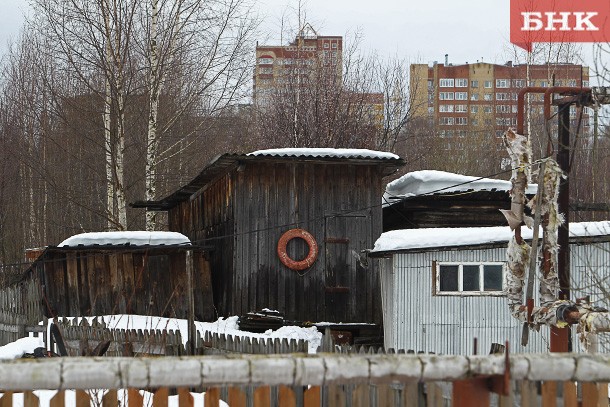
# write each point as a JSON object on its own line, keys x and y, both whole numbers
{"x": 548, "y": 93}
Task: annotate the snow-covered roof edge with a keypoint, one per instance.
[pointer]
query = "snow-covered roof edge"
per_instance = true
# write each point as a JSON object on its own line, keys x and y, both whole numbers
{"x": 326, "y": 152}
{"x": 134, "y": 238}
{"x": 431, "y": 181}
{"x": 413, "y": 239}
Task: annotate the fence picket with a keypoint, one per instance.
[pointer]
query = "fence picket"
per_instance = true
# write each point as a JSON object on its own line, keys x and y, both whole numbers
{"x": 134, "y": 398}
{"x": 528, "y": 394}
{"x": 110, "y": 399}
{"x": 185, "y": 398}
{"x": 82, "y": 398}
{"x": 262, "y": 396}
{"x": 30, "y": 399}
{"x": 7, "y": 399}
{"x": 237, "y": 397}
{"x": 58, "y": 400}
{"x": 286, "y": 397}
{"x": 160, "y": 397}
{"x": 549, "y": 394}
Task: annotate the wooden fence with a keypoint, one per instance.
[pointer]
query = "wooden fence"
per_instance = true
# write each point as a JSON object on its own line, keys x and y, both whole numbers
{"x": 81, "y": 336}
{"x": 315, "y": 380}
{"x": 20, "y": 311}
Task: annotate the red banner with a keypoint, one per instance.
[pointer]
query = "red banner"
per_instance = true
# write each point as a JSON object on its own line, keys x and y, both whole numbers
{"x": 559, "y": 21}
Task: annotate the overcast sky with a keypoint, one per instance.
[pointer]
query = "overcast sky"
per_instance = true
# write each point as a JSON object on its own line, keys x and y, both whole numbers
{"x": 418, "y": 30}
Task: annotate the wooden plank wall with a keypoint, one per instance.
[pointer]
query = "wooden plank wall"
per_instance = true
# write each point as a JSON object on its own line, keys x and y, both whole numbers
{"x": 340, "y": 206}
{"x": 104, "y": 282}
{"x": 20, "y": 310}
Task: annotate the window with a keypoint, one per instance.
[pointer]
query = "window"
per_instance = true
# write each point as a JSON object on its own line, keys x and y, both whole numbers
{"x": 334, "y": 45}
{"x": 487, "y": 109}
{"x": 572, "y": 82}
{"x": 502, "y": 96}
{"x": 488, "y": 96}
{"x": 445, "y": 83}
{"x": 430, "y": 111}
{"x": 544, "y": 84}
{"x": 487, "y": 84}
{"x": 461, "y": 95}
{"x": 474, "y": 109}
{"x": 265, "y": 60}
{"x": 445, "y": 96}
{"x": 326, "y": 45}
{"x": 474, "y": 96}
{"x": 461, "y": 108}
{"x": 502, "y": 83}
{"x": 430, "y": 84}
{"x": 501, "y": 121}
{"x": 474, "y": 122}
{"x": 518, "y": 83}
{"x": 474, "y": 83}
{"x": 445, "y": 121}
{"x": 461, "y": 121}
{"x": 469, "y": 278}
{"x": 461, "y": 83}
{"x": 514, "y": 109}
{"x": 585, "y": 84}
{"x": 502, "y": 108}
{"x": 445, "y": 108}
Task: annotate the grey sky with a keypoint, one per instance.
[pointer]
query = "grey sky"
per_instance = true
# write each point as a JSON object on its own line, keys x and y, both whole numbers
{"x": 421, "y": 31}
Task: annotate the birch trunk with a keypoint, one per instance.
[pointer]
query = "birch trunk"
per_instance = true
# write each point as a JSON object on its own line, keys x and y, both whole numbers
{"x": 152, "y": 137}
{"x": 108, "y": 150}
{"x": 119, "y": 157}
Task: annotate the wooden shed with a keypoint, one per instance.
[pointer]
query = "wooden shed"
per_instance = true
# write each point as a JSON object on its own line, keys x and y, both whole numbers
{"x": 239, "y": 207}
{"x": 113, "y": 273}
{"x": 432, "y": 199}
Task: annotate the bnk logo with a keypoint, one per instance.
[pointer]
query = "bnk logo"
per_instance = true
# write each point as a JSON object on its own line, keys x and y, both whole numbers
{"x": 559, "y": 21}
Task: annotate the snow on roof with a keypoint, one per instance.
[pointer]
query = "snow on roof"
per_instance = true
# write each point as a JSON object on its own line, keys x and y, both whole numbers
{"x": 136, "y": 238}
{"x": 431, "y": 181}
{"x": 411, "y": 239}
{"x": 326, "y": 152}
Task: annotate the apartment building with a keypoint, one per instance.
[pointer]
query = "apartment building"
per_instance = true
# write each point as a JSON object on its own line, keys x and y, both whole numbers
{"x": 286, "y": 67}
{"x": 482, "y": 97}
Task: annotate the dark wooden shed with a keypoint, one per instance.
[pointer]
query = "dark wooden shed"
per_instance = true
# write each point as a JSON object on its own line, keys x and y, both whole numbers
{"x": 240, "y": 205}
{"x": 85, "y": 280}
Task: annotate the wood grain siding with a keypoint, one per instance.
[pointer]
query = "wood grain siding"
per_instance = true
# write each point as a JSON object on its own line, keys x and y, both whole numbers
{"x": 327, "y": 200}
{"x": 94, "y": 281}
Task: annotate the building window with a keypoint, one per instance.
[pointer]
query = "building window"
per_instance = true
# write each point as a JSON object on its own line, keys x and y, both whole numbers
{"x": 487, "y": 109}
{"x": 446, "y": 121}
{"x": 265, "y": 70}
{"x": 430, "y": 84}
{"x": 445, "y": 108}
{"x": 461, "y": 108}
{"x": 461, "y": 121}
{"x": 265, "y": 61}
{"x": 572, "y": 82}
{"x": 469, "y": 278}
{"x": 487, "y": 84}
{"x": 445, "y": 83}
{"x": 544, "y": 84}
{"x": 474, "y": 109}
{"x": 518, "y": 83}
{"x": 334, "y": 45}
{"x": 326, "y": 45}
{"x": 502, "y": 83}
{"x": 461, "y": 95}
{"x": 502, "y": 96}
{"x": 474, "y": 83}
{"x": 502, "y": 108}
{"x": 585, "y": 84}
{"x": 488, "y": 96}
{"x": 461, "y": 83}
{"x": 474, "y": 96}
{"x": 474, "y": 122}
{"x": 445, "y": 96}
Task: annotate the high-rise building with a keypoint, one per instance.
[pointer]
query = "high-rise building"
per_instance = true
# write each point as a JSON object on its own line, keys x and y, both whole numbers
{"x": 310, "y": 57}
{"x": 458, "y": 99}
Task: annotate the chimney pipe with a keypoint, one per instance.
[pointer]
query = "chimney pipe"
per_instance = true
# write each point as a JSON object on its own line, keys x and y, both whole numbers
{"x": 446, "y": 59}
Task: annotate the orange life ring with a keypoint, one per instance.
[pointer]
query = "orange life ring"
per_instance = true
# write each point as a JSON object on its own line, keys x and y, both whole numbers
{"x": 283, "y": 255}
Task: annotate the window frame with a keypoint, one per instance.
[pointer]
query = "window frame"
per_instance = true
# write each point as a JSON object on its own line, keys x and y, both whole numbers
{"x": 460, "y": 293}
{"x": 461, "y": 83}
{"x": 446, "y": 83}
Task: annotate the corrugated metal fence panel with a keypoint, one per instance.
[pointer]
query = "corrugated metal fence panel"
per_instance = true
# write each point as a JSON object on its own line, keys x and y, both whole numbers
{"x": 418, "y": 320}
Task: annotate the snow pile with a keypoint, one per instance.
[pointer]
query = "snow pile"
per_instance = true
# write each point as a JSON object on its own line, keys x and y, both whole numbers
{"x": 326, "y": 152}
{"x": 431, "y": 181}
{"x": 227, "y": 326}
{"x": 16, "y": 349}
{"x": 450, "y": 237}
{"x": 136, "y": 238}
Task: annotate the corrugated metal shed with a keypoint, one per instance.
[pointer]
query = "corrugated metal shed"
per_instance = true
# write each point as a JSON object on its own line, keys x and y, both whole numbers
{"x": 415, "y": 318}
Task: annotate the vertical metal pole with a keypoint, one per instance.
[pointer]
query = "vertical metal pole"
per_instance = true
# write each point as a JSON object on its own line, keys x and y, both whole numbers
{"x": 560, "y": 337}
{"x": 191, "y": 302}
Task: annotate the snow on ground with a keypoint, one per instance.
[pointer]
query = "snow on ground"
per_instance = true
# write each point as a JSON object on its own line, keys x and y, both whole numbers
{"x": 429, "y": 181}
{"x": 136, "y": 238}
{"x": 450, "y": 237}
{"x": 227, "y": 326}
{"x": 325, "y": 152}
{"x": 16, "y": 349}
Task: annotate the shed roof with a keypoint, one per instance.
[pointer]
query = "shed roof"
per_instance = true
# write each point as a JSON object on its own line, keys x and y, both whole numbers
{"x": 439, "y": 238}
{"x": 432, "y": 182}
{"x": 226, "y": 162}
